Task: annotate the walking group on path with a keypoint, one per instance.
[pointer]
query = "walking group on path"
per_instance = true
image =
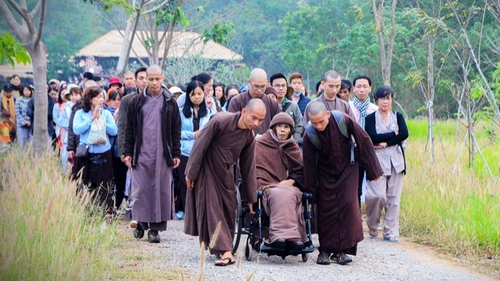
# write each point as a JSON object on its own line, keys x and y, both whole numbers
{"x": 168, "y": 151}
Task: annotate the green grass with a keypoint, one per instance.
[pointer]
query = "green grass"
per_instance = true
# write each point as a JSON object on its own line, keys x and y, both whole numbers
{"x": 46, "y": 230}
{"x": 446, "y": 203}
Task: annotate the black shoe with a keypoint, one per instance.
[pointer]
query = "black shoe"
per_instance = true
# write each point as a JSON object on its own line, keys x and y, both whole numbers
{"x": 295, "y": 245}
{"x": 279, "y": 243}
{"x": 342, "y": 258}
{"x": 153, "y": 236}
{"x": 138, "y": 232}
{"x": 323, "y": 258}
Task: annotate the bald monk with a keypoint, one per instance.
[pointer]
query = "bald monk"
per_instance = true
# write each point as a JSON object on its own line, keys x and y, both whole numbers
{"x": 211, "y": 194}
{"x": 257, "y": 83}
{"x": 333, "y": 180}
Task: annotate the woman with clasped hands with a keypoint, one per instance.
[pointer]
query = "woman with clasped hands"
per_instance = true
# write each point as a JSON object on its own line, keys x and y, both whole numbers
{"x": 388, "y": 131}
{"x": 97, "y": 166}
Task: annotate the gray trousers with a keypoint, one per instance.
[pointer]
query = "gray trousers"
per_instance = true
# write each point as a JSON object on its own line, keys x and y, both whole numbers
{"x": 384, "y": 194}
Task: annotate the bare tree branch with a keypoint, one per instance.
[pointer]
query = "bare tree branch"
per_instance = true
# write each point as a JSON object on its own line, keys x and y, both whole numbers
{"x": 161, "y": 5}
{"x": 41, "y": 24}
{"x": 36, "y": 10}
{"x": 24, "y": 14}
{"x": 11, "y": 21}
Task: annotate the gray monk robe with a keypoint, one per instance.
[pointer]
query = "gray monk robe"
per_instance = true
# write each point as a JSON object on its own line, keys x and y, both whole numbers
{"x": 272, "y": 108}
{"x": 333, "y": 181}
{"x": 276, "y": 161}
{"x": 152, "y": 138}
{"x": 213, "y": 198}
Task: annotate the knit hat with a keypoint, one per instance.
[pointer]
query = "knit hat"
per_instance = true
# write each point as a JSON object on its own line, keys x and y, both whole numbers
{"x": 282, "y": 118}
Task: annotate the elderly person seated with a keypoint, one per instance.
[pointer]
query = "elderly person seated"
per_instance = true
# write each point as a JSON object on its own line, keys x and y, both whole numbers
{"x": 280, "y": 177}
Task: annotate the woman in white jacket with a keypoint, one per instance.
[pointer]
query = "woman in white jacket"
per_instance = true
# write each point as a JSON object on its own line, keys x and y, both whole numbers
{"x": 194, "y": 116}
{"x": 387, "y": 130}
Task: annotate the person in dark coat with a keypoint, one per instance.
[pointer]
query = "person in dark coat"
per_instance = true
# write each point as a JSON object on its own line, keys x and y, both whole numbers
{"x": 332, "y": 177}
{"x": 211, "y": 196}
{"x": 152, "y": 150}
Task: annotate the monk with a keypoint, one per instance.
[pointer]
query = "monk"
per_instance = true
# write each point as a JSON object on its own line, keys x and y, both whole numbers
{"x": 331, "y": 83}
{"x": 333, "y": 180}
{"x": 257, "y": 83}
{"x": 151, "y": 148}
{"x": 280, "y": 176}
{"x": 211, "y": 196}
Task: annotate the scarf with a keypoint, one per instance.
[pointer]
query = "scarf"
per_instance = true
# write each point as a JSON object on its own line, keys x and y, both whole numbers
{"x": 390, "y": 125}
{"x": 362, "y": 106}
{"x": 9, "y": 105}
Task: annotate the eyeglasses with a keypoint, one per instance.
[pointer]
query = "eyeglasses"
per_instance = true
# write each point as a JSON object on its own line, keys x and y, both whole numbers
{"x": 259, "y": 87}
{"x": 279, "y": 85}
{"x": 362, "y": 86}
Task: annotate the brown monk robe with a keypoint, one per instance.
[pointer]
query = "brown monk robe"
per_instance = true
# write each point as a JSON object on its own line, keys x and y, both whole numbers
{"x": 280, "y": 175}
{"x": 333, "y": 181}
{"x": 257, "y": 83}
{"x": 211, "y": 196}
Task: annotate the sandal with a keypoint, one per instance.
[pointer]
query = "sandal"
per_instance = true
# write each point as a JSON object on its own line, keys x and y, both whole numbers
{"x": 373, "y": 233}
{"x": 108, "y": 218}
{"x": 392, "y": 239}
{"x": 224, "y": 262}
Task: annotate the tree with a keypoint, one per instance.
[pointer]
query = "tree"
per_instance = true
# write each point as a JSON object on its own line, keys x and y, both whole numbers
{"x": 304, "y": 31}
{"x": 386, "y": 37}
{"x": 428, "y": 82}
{"x": 29, "y": 31}
{"x": 153, "y": 22}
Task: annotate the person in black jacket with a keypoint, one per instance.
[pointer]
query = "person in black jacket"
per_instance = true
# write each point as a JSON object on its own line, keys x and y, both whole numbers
{"x": 152, "y": 150}
{"x": 388, "y": 131}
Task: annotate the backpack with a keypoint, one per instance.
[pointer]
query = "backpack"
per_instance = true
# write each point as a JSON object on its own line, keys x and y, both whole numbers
{"x": 341, "y": 124}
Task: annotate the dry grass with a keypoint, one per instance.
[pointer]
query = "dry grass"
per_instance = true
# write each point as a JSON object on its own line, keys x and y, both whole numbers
{"x": 46, "y": 231}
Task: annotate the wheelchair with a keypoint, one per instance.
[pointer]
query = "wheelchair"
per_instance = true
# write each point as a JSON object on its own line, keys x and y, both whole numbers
{"x": 253, "y": 227}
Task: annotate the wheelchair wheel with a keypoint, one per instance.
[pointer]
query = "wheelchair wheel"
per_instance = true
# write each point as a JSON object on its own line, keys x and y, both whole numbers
{"x": 238, "y": 223}
{"x": 248, "y": 249}
{"x": 305, "y": 257}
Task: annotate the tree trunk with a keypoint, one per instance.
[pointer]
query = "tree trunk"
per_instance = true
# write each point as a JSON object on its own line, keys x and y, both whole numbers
{"x": 30, "y": 34}
{"x": 128, "y": 39}
{"x": 430, "y": 95}
{"x": 385, "y": 41}
{"x": 38, "y": 55}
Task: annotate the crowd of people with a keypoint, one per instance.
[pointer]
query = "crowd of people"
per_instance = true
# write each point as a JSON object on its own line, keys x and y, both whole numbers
{"x": 168, "y": 151}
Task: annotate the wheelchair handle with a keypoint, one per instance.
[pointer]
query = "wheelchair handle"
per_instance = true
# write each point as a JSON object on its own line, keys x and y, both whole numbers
{"x": 307, "y": 195}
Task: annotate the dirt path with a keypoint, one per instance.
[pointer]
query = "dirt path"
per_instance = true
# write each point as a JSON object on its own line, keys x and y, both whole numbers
{"x": 178, "y": 257}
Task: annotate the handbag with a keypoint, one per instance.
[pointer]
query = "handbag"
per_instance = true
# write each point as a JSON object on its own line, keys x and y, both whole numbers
{"x": 97, "y": 134}
{"x": 82, "y": 151}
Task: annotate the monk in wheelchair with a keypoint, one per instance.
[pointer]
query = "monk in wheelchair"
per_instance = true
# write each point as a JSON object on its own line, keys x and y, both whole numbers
{"x": 280, "y": 178}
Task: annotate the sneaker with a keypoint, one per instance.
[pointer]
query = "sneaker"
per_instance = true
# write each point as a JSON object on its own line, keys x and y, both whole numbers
{"x": 392, "y": 239}
{"x": 179, "y": 215}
